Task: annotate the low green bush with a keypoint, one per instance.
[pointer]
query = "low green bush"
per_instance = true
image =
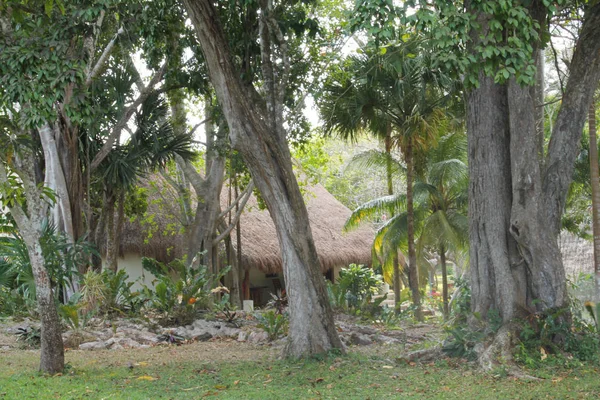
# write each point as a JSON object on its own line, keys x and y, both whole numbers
{"x": 273, "y": 323}
{"x": 180, "y": 292}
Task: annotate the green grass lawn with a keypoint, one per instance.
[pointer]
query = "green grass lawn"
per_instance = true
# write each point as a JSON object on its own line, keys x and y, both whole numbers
{"x": 229, "y": 370}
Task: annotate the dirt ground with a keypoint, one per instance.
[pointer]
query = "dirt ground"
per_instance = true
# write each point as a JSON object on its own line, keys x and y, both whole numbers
{"x": 224, "y": 350}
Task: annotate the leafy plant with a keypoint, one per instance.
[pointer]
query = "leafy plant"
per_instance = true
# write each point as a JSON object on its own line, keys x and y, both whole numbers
{"x": 30, "y": 335}
{"x": 75, "y": 313}
{"x": 118, "y": 295}
{"x": 93, "y": 290}
{"x": 171, "y": 338}
{"x": 337, "y": 298}
{"x": 279, "y": 301}
{"x": 272, "y": 323}
{"x": 181, "y": 291}
{"x": 357, "y": 285}
{"x": 225, "y": 310}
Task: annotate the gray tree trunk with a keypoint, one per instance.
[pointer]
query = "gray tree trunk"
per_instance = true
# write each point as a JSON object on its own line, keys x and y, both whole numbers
{"x": 515, "y": 199}
{"x": 29, "y": 218}
{"x": 595, "y": 184}
{"x": 267, "y": 155}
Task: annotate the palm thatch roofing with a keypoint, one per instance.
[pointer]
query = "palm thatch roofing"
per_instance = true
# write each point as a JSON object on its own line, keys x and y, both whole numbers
{"x": 578, "y": 254}
{"x": 159, "y": 234}
{"x": 260, "y": 248}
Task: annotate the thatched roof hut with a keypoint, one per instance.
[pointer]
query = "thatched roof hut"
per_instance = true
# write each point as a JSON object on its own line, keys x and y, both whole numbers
{"x": 159, "y": 235}
{"x": 578, "y": 254}
{"x": 260, "y": 248}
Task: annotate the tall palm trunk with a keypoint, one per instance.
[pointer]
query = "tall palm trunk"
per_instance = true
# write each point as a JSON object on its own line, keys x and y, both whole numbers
{"x": 413, "y": 271}
{"x": 444, "y": 281}
{"x": 594, "y": 175}
{"x": 390, "y": 187}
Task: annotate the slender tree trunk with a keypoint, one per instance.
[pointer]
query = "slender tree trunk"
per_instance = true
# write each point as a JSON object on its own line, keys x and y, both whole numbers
{"x": 208, "y": 193}
{"x": 413, "y": 270}
{"x": 29, "y": 218}
{"x": 111, "y": 240}
{"x": 390, "y": 188}
{"x": 444, "y": 281}
{"x": 52, "y": 359}
{"x": 539, "y": 101}
{"x": 267, "y": 156}
{"x": 595, "y": 178}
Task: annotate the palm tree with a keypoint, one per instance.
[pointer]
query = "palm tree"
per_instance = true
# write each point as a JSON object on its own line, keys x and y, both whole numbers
{"x": 397, "y": 96}
{"x": 440, "y": 199}
{"x": 445, "y": 184}
{"x": 151, "y": 146}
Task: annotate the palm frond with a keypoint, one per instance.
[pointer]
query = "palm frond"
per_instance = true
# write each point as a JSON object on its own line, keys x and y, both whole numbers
{"x": 384, "y": 205}
{"x": 375, "y": 158}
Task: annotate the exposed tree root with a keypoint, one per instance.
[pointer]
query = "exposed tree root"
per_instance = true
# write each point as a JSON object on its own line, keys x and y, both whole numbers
{"x": 426, "y": 355}
{"x": 498, "y": 353}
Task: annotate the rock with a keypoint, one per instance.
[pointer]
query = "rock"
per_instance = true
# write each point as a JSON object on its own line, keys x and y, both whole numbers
{"x": 72, "y": 339}
{"x": 128, "y": 343}
{"x": 365, "y": 330}
{"x": 242, "y": 336}
{"x": 116, "y": 346}
{"x": 385, "y": 339}
{"x": 428, "y": 312}
{"x": 360, "y": 339}
{"x": 258, "y": 337}
{"x": 145, "y": 337}
{"x": 203, "y": 337}
{"x": 99, "y": 345}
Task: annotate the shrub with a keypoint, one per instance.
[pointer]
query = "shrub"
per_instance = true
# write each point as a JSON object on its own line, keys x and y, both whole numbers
{"x": 180, "y": 292}
{"x": 355, "y": 289}
{"x": 272, "y": 323}
{"x": 118, "y": 295}
{"x": 75, "y": 314}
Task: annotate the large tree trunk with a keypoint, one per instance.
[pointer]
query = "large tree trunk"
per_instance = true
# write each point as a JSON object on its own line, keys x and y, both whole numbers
{"x": 267, "y": 155}
{"x": 515, "y": 199}
{"x": 595, "y": 178}
{"x": 413, "y": 270}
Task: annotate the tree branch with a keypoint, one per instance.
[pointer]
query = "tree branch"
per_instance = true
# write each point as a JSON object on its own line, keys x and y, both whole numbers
{"x": 196, "y": 180}
{"x": 103, "y": 57}
{"x": 237, "y": 200}
{"x": 236, "y": 217}
{"x": 120, "y": 125}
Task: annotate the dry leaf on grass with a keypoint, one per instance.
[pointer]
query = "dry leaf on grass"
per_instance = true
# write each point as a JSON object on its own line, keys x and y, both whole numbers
{"x": 146, "y": 378}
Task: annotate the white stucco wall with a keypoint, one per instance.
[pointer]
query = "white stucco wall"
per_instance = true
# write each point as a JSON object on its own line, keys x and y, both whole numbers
{"x": 132, "y": 264}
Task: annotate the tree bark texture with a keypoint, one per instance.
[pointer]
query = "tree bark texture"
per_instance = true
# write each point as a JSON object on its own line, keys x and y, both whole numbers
{"x": 515, "y": 198}
{"x": 267, "y": 156}
{"x": 595, "y": 178}
{"x": 29, "y": 218}
{"x": 444, "y": 282}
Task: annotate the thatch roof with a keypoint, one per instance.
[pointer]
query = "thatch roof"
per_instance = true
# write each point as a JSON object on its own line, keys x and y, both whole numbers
{"x": 158, "y": 235}
{"x": 578, "y": 254}
{"x": 260, "y": 248}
